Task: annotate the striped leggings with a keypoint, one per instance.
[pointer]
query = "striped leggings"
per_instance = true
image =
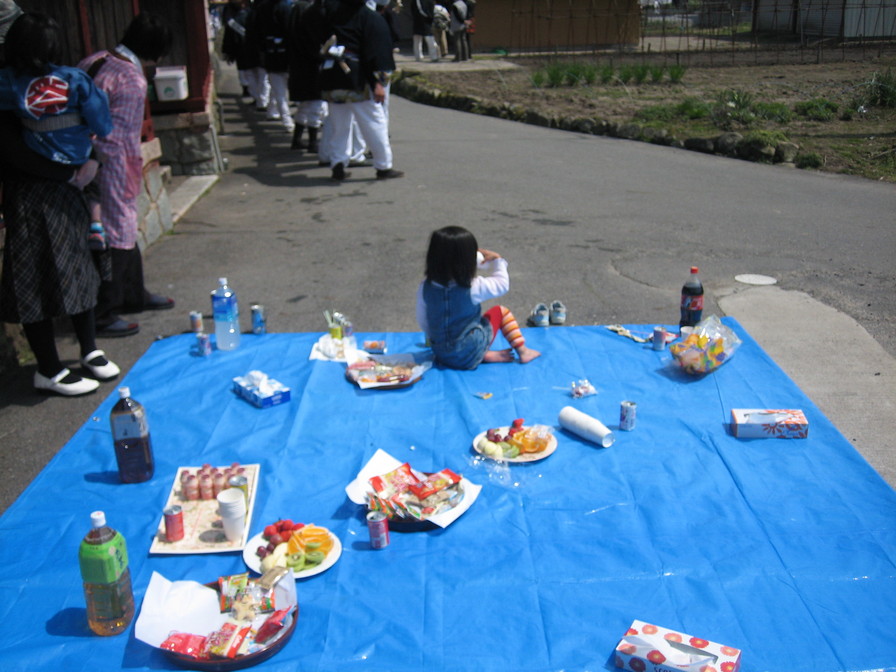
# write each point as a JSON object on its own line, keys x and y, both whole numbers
{"x": 501, "y": 318}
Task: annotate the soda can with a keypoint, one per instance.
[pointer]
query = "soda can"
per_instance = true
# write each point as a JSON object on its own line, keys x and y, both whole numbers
{"x": 242, "y": 483}
{"x": 203, "y": 344}
{"x": 196, "y": 321}
{"x": 259, "y": 321}
{"x": 378, "y": 526}
{"x": 174, "y": 523}
{"x": 659, "y": 338}
{"x": 627, "y": 415}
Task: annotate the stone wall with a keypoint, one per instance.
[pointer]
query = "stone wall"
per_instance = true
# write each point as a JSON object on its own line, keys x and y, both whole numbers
{"x": 190, "y": 142}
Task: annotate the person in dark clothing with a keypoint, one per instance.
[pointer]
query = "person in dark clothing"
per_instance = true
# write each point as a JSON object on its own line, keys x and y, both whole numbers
{"x": 268, "y": 33}
{"x": 354, "y": 78}
{"x": 422, "y": 16}
{"x": 304, "y": 39}
{"x": 236, "y": 49}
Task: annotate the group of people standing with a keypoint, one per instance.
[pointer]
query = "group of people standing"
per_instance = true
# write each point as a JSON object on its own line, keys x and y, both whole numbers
{"x": 71, "y": 172}
{"x": 333, "y": 59}
{"x": 434, "y": 22}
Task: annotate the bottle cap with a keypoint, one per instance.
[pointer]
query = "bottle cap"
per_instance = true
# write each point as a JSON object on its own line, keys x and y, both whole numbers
{"x": 694, "y": 270}
{"x": 98, "y": 519}
{"x": 124, "y": 392}
{"x": 222, "y": 281}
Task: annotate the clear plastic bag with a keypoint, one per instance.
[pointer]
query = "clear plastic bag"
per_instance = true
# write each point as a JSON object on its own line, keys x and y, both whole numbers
{"x": 710, "y": 345}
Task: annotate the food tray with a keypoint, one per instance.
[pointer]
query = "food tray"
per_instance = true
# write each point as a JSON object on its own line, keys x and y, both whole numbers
{"x": 203, "y": 532}
{"x": 522, "y": 457}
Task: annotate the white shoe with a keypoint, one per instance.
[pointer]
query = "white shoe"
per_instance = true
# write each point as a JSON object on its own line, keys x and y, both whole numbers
{"x": 74, "y": 388}
{"x": 100, "y": 367}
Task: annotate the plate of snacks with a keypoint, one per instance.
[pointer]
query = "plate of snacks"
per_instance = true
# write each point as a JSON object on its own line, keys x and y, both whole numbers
{"x": 410, "y": 499}
{"x": 516, "y": 442}
{"x": 386, "y": 372}
{"x": 229, "y": 624}
{"x": 306, "y": 549}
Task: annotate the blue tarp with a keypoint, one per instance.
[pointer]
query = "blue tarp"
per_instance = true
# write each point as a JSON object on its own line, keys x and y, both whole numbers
{"x": 785, "y": 549}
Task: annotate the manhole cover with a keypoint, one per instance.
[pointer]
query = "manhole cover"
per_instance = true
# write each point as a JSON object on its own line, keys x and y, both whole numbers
{"x": 753, "y": 279}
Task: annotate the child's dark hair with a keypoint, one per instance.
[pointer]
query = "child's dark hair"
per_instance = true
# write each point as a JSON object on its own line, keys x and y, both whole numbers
{"x": 33, "y": 42}
{"x": 451, "y": 256}
{"x": 148, "y": 36}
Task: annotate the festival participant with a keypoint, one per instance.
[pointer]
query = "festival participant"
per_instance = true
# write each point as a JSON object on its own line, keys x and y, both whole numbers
{"x": 449, "y": 298}
{"x": 119, "y": 72}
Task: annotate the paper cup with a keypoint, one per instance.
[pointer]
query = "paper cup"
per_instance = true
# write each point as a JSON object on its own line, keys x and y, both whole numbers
{"x": 583, "y": 425}
{"x": 232, "y": 509}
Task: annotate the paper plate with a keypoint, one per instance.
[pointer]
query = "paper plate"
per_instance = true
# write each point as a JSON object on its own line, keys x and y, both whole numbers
{"x": 522, "y": 457}
{"x": 253, "y": 562}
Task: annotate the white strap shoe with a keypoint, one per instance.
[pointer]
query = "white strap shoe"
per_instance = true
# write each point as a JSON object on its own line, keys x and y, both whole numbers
{"x": 65, "y": 383}
{"x": 100, "y": 367}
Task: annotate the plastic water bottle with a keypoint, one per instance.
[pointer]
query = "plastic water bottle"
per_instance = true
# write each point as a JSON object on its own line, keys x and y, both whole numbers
{"x": 130, "y": 432}
{"x": 226, "y": 314}
{"x": 103, "y": 558}
{"x": 691, "y": 300}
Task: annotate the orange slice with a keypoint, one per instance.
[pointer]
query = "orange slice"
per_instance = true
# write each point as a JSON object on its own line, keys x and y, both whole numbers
{"x": 299, "y": 539}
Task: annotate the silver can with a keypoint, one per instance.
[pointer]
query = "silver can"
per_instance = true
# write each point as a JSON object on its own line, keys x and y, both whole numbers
{"x": 378, "y": 526}
{"x": 196, "y": 322}
{"x": 259, "y": 321}
{"x": 240, "y": 482}
{"x": 203, "y": 344}
{"x": 627, "y": 412}
{"x": 659, "y": 338}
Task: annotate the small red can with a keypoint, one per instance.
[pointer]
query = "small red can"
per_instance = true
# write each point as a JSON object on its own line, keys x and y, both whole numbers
{"x": 378, "y": 526}
{"x": 174, "y": 523}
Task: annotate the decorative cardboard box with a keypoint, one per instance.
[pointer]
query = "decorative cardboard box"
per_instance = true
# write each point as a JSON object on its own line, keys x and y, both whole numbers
{"x": 258, "y": 389}
{"x": 760, "y": 423}
{"x": 650, "y": 648}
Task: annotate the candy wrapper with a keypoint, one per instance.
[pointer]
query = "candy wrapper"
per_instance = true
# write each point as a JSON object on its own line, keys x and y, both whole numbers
{"x": 582, "y": 388}
{"x": 710, "y": 345}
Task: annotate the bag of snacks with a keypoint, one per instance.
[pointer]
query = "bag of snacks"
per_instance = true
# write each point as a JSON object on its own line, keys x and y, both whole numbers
{"x": 710, "y": 345}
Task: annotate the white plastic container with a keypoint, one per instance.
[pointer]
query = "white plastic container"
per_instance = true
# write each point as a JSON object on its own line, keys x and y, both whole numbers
{"x": 171, "y": 82}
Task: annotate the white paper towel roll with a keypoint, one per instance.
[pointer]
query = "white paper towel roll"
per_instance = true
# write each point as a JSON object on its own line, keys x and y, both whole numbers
{"x": 582, "y": 424}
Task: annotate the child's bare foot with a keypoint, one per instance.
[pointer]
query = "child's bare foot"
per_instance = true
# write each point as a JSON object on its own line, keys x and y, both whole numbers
{"x": 498, "y": 356}
{"x": 527, "y": 354}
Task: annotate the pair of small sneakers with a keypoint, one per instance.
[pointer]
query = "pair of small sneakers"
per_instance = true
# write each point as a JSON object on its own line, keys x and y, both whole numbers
{"x": 541, "y": 316}
{"x": 67, "y": 384}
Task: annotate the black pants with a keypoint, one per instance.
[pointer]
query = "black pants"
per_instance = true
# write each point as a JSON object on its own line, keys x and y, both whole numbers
{"x": 125, "y": 291}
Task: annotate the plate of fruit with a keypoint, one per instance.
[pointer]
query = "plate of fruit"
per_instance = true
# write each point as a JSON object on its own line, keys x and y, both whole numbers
{"x": 516, "y": 442}
{"x": 306, "y": 549}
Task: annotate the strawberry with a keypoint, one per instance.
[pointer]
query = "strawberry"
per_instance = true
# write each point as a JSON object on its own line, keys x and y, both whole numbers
{"x": 284, "y": 525}
{"x": 297, "y": 526}
{"x": 518, "y": 423}
{"x": 270, "y": 531}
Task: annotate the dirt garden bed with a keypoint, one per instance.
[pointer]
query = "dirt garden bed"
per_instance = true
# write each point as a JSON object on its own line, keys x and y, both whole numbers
{"x": 820, "y": 114}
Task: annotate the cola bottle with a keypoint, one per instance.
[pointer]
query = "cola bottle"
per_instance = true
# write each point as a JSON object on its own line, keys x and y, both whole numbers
{"x": 130, "y": 433}
{"x": 692, "y": 300}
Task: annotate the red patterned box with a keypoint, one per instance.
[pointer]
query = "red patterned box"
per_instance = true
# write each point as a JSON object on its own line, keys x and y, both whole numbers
{"x": 650, "y": 648}
{"x": 769, "y": 423}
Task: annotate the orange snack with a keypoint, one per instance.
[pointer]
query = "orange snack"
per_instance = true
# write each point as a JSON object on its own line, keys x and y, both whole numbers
{"x": 313, "y": 534}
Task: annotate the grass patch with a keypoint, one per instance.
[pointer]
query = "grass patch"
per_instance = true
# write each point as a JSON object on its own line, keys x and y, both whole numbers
{"x": 817, "y": 109}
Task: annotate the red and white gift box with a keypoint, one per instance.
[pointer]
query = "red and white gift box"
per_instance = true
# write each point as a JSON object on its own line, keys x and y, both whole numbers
{"x": 765, "y": 423}
{"x": 651, "y": 648}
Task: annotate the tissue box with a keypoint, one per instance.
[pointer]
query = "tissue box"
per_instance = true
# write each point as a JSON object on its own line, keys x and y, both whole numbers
{"x": 650, "y": 648}
{"x": 759, "y": 423}
{"x": 278, "y": 393}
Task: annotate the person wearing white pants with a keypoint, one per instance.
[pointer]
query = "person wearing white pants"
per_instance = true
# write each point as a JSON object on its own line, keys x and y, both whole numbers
{"x": 354, "y": 77}
{"x": 278, "y": 107}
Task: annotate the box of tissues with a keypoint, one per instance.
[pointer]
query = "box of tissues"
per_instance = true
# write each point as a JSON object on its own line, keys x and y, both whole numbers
{"x": 650, "y": 648}
{"x": 256, "y": 388}
{"x": 763, "y": 423}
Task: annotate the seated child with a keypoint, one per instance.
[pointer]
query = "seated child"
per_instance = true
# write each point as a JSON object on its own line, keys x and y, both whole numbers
{"x": 449, "y": 298}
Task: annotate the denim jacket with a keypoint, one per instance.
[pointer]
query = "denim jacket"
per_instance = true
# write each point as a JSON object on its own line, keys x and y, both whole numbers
{"x": 458, "y": 333}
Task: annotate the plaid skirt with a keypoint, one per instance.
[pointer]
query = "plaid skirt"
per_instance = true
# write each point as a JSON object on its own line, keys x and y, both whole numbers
{"x": 48, "y": 270}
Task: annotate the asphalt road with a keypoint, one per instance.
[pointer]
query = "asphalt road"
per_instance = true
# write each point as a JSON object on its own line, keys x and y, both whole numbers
{"x": 610, "y": 227}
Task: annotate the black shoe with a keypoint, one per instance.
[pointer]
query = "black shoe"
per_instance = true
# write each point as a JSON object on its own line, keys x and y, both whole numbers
{"x": 389, "y": 174}
{"x": 339, "y": 173}
{"x": 312, "y": 140}
{"x": 118, "y": 329}
{"x": 297, "y": 137}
